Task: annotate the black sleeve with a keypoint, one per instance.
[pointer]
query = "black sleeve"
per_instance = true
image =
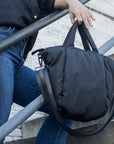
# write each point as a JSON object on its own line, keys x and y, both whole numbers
{"x": 46, "y": 5}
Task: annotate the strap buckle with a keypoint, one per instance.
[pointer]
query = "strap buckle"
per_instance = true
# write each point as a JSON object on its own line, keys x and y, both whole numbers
{"x": 41, "y": 63}
{"x": 40, "y": 60}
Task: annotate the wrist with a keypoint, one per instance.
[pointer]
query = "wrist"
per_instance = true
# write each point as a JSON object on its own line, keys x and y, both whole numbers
{"x": 64, "y": 4}
{"x": 69, "y": 2}
{"x": 61, "y": 4}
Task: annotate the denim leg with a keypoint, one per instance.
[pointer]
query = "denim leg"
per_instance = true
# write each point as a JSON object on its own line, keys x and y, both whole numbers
{"x": 6, "y": 88}
{"x": 10, "y": 59}
{"x": 25, "y": 86}
{"x": 51, "y": 132}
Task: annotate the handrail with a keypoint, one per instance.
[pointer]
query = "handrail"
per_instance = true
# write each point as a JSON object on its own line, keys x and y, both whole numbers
{"x": 21, "y": 116}
{"x": 106, "y": 46}
{"x": 31, "y": 29}
{"x": 26, "y": 112}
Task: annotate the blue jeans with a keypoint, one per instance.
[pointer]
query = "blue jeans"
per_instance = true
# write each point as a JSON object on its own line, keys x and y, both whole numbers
{"x": 18, "y": 84}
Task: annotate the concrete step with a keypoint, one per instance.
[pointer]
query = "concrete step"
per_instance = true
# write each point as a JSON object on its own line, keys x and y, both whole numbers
{"x": 22, "y": 141}
{"x": 112, "y": 56}
{"x": 30, "y": 128}
{"x": 104, "y": 137}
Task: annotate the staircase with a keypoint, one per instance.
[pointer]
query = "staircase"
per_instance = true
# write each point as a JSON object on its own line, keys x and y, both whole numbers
{"x": 105, "y": 137}
{"x": 22, "y": 141}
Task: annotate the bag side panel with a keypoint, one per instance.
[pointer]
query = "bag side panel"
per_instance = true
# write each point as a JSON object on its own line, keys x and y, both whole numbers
{"x": 54, "y": 58}
{"x": 84, "y": 85}
{"x": 109, "y": 70}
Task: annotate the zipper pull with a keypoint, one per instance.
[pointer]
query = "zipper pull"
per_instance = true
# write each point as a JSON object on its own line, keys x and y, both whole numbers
{"x": 40, "y": 60}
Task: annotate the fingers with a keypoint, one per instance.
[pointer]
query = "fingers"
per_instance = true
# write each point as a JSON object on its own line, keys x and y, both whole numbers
{"x": 91, "y": 15}
{"x": 79, "y": 18}
{"x": 72, "y": 17}
{"x": 84, "y": 16}
{"x": 87, "y": 18}
{"x": 82, "y": 13}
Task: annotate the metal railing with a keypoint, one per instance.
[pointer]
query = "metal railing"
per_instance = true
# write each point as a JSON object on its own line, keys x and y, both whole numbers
{"x": 26, "y": 112}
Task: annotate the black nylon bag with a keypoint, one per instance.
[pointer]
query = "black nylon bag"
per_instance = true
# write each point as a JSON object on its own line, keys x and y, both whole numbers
{"x": 81, "y": 81}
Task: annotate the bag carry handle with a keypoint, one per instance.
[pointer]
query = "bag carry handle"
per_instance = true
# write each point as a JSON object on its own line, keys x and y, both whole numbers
{"x": 49, "y": 96}
{"x": 85, "y": 36}
{"x": 84, "y": 39}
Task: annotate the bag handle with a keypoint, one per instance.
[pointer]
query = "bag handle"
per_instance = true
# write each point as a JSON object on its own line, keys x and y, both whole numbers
{"x": 85, "y": 36}
{"x": 89, "y": 37}
{"x": 47, "y": 89}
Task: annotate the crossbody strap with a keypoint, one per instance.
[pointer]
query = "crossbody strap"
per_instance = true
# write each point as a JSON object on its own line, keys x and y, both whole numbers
{"x": 47, "y": 92}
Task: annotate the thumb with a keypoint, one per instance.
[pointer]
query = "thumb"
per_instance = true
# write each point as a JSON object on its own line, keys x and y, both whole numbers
{"x": 72, "y": 17}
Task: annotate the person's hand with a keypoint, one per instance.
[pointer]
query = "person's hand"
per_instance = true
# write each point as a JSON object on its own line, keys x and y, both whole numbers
{"x": 79, "y": 11}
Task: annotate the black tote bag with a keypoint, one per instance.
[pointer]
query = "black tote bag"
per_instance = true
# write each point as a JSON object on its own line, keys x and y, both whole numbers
{"x": 77, "y": 84}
